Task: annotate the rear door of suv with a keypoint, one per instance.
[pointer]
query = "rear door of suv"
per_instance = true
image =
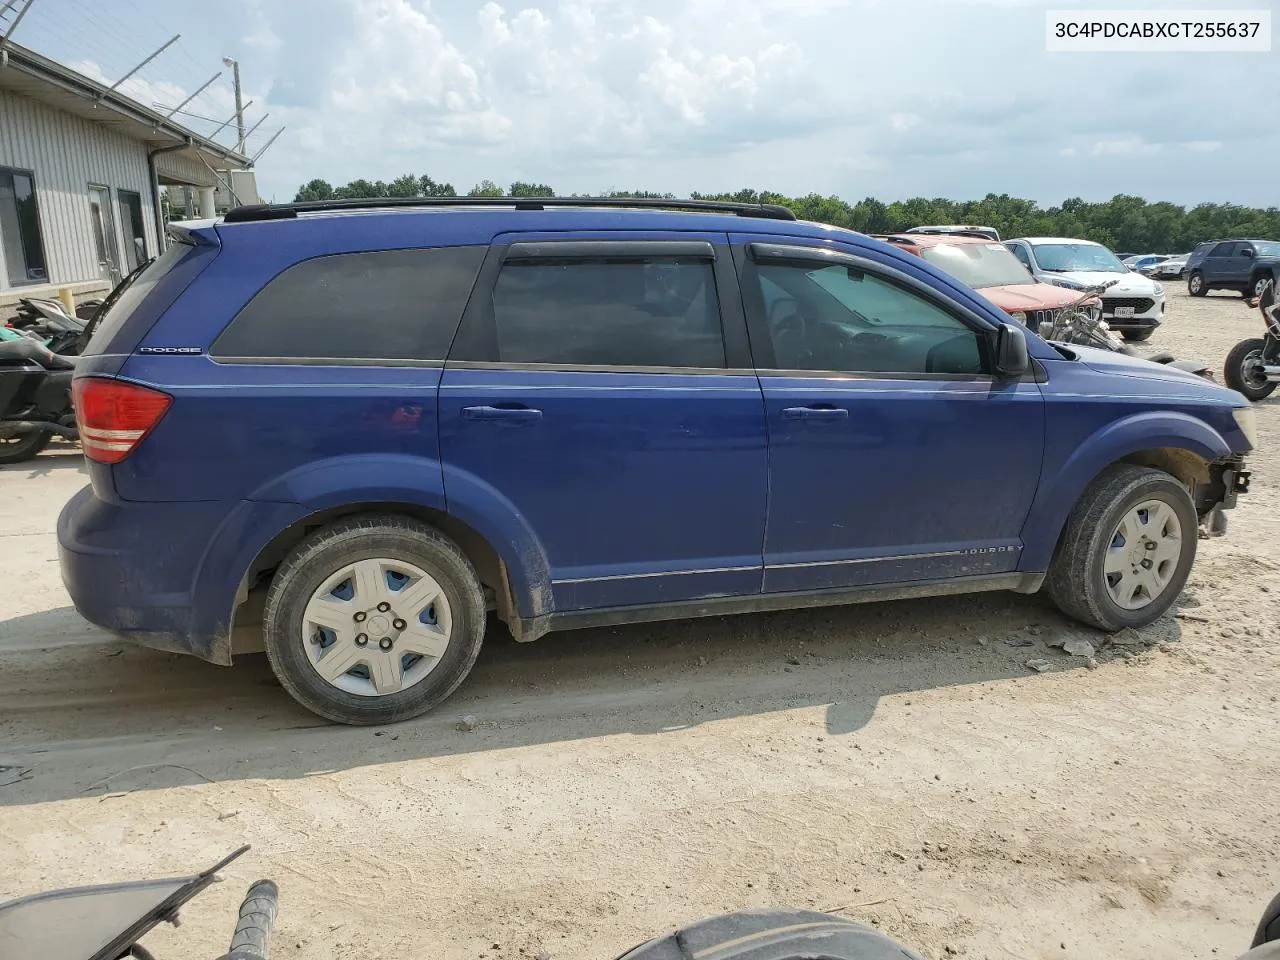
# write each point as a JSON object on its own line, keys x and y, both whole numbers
{"x": 600, "y": 393}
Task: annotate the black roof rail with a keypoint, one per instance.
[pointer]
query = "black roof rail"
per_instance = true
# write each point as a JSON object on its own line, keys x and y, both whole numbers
{"x": 289, "y": 211}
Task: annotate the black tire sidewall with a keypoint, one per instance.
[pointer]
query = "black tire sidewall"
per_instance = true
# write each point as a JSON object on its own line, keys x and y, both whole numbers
{"x": 27, "y": 449}
{"x": 1168, "y": 491}
{"x": 1233, "y": 373}
{"x": 298, "y": 580}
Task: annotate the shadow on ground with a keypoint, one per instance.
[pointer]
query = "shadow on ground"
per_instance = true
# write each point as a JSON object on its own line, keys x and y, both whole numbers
{"x": 84, "y": 714}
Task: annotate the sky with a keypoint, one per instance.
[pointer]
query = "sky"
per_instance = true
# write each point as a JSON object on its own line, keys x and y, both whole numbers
{"x": 856, "y": 98}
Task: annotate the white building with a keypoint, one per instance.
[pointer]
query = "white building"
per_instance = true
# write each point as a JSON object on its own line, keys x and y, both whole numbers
{"x": 81, "y": 169}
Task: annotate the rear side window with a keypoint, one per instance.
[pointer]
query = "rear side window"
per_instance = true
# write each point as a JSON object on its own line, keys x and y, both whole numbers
{"x": 108, "y": 324}
{"x": 387, "y": 305}
{"x": 654, "y": 312}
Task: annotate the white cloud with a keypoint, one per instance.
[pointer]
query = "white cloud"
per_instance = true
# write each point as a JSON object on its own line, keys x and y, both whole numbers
{"x": 1124, "y": 147}
{"x": 795, "y": 95}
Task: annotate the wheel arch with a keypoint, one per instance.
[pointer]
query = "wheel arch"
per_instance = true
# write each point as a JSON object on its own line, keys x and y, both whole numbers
{"x": 1175, "y": 443}
{"x": 488, "y": 562}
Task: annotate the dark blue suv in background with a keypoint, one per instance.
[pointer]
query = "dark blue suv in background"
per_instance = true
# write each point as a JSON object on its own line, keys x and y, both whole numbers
{"x": 1243, "y": 265}
{"x": 349, "y": 430}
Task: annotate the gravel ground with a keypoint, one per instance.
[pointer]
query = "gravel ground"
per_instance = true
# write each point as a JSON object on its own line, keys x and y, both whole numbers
{"x": 897, "y": 763}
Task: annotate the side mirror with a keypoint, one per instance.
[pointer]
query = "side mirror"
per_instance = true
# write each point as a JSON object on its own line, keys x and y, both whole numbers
{"x": 1012, "y": 359}
{"x": 1247, "y": 252}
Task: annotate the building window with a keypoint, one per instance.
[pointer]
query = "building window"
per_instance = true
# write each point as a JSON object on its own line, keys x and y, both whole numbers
{"x": 135, "y": 238}
{"x": 20, "y": 228}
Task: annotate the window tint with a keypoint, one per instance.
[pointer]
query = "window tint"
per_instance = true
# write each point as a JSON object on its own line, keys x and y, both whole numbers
{"x": 1020, "y": 252}
{"x": 840, "y": 319}
{"x": 389, "y": 305}
{"x": 1222, "y": 250}
{"x": 655, "y": 312}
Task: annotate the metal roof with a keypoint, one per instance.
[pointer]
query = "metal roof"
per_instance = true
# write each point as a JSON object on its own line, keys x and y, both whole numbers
{"x": 28, "y": 73}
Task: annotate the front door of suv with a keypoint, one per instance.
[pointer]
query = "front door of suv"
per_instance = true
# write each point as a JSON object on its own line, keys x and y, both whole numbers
{"x": 895, "y": 455}
{"x": 600, "y": 392}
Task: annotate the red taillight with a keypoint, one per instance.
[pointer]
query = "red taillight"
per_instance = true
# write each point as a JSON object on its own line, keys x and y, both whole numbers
{"x": 114, "y": 416}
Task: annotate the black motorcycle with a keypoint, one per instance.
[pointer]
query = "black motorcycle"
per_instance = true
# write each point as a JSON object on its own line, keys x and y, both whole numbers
{"x": 106, "y": 923}
{"x": 1253, "y": 365}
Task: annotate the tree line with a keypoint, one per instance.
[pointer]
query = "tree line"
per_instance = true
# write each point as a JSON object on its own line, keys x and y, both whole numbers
{"x": 1124, "y": 223}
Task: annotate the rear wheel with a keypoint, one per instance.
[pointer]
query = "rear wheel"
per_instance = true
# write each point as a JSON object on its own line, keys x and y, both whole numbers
{"x": 1127, "y": 549}
{"x": 1243, "y": 370}
{"x": 18, "y": 449}
{"x": 1195, "y": 284}
{"x": 374, "y": 619}
{"x": 1138, "y": 336}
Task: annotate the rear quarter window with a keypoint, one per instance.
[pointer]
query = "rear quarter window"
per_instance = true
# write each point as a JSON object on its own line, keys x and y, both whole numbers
{"x": 105, "y": 329}
{"x": 385, "y": 305}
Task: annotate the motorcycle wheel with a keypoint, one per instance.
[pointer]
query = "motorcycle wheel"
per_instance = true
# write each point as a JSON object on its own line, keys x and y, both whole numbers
{"x": 1241, "y": 371}
{"x": 19, "y": 449}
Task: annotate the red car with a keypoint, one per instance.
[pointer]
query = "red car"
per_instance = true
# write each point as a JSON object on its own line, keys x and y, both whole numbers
{"x": 989, "y": 267}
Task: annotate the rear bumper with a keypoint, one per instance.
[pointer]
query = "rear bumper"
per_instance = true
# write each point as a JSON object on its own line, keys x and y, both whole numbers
{"x": 130, "y": 568}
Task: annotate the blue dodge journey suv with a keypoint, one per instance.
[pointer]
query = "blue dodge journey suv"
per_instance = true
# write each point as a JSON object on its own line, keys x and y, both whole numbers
{"x": 344, "y": 432}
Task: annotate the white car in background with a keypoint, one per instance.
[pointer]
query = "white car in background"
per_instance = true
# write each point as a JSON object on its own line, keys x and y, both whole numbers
{"x": 1134, "y": 307}
{"x": 1171, "y": 269}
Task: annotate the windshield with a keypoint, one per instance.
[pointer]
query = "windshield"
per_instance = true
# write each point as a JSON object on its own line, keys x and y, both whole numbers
{"x": 1087, "y": 257}
{"x": 1271, "y": 249}
{"x": 978, "y": 264}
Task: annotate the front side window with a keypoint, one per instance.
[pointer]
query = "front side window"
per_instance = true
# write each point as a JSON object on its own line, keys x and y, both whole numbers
{"x": 387, "y": 305}
{"x": 841, "y": 319}
{"x": 651, "y": 312}
{"x": 978, "y": 264}
{"x": 1020, "y": 252}
{"x": 20, "y": 229}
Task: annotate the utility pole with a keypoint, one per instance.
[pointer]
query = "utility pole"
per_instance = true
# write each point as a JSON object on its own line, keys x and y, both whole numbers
{"x": 235, "y": 70}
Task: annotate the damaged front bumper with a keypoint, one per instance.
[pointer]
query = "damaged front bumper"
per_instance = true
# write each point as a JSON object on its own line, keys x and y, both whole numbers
{"x": 1229, "y": 480}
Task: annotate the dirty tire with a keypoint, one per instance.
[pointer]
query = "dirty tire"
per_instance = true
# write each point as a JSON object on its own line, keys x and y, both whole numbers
{"x": 348, "y": 541}
{"x": 1137, "y": 336}
{"x": 1076, "y": 581}
{"x": 1195, "y": 284}
{"x": 21, "y": 449}
{"x": 1233, "y": 371}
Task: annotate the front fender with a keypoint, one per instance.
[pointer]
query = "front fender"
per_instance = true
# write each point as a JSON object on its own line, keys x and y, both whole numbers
{"x": 1061, "y": 488}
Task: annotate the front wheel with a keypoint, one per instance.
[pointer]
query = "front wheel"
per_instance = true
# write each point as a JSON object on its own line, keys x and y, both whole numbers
{"x": 1258, "y": 288}
{"x": 23, "y": 448}
{"x": 1138, "y": 336}
{"x": 1195, "y": 284}
{"x": 1243, "y": 371}
{"x": 1127, "y": 549}
{"x": 374, "y": 619}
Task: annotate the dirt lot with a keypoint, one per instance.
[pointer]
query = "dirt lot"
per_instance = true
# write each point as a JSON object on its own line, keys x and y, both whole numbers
{"x": 896, "y": 762}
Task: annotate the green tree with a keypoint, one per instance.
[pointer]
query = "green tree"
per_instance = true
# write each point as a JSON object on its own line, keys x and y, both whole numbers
{"x": 314, "y": 190}
{"x": 522, "y": 189}
{"x": 485, "y": 188}
{"x": 429, "y": 188}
